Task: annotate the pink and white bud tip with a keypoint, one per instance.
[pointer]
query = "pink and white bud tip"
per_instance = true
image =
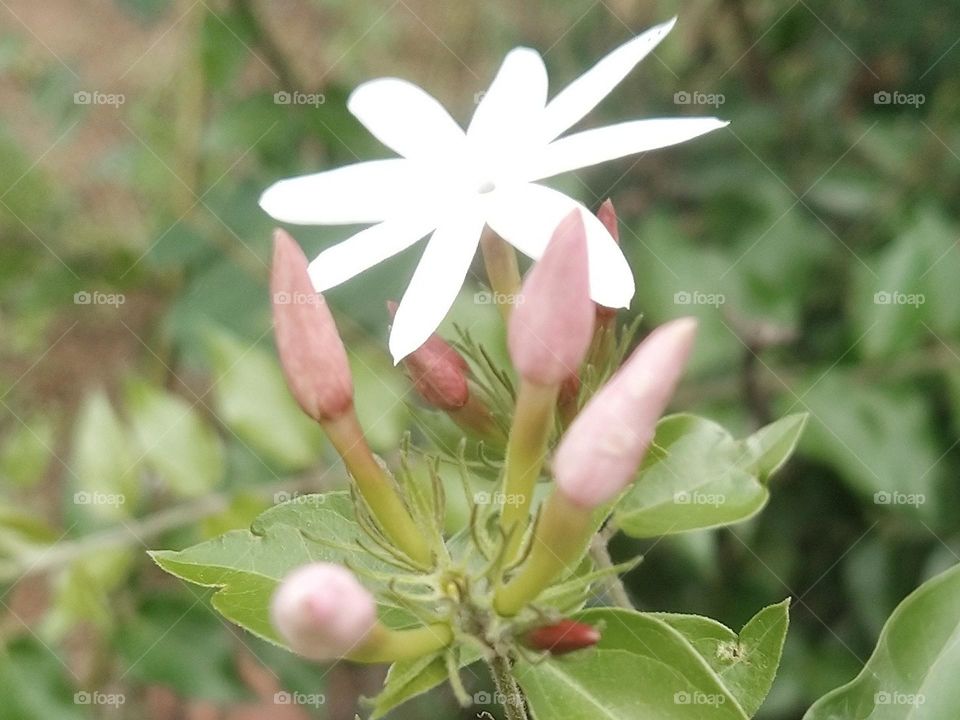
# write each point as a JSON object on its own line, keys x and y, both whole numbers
{"x": 323, "y": 612}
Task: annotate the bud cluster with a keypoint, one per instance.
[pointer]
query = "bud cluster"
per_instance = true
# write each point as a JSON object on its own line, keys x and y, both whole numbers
{"x": 589, "y": 441}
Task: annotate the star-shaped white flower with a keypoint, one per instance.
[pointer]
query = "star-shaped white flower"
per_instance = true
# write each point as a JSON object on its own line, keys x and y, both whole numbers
{"x": 450, "y": 183}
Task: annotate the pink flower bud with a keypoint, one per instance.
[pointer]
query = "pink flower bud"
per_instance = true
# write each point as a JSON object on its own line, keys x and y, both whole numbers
{"x": 312, "y": 355}
{"x": 438, "y": 372}
{"x": 550, "y": 330}
{"x": 323, "y": 612}
{"x": 600, "y": 453}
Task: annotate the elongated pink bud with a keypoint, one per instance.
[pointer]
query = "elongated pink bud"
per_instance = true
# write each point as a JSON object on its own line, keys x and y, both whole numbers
{"x": 600, "y": 453}
{"x": 323, "y": 612}
{"x": 311, "y": 352}
{"x": 438, "y": 372}
{"x": 550, "y": 330}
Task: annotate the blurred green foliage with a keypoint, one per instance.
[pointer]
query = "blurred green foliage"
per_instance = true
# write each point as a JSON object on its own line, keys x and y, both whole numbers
{"x": 816, "y": 239}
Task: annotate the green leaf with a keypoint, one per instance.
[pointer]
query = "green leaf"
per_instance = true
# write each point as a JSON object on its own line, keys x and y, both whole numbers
{"x": 176, "y": 443}
{"x": 879, "y": 439}
{"x": 103, "y": 467}
{"x": 27, "y": 451}
{"x": 253, "y": 400}
{"x": 748, "y": 662}
{"x": 913, "y": 671}
{"x": 697, "y": 476}
{"x": 642, "y": 667}
{"x": 771, "y": 446}
{"x": 34, "y": 683}
{"x": 410, "y": 678}
{"x": 247, "y": 565}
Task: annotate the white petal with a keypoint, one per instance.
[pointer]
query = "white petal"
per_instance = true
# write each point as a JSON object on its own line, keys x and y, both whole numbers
{"x": 614, "y": 141}
{"x": 526, "y": 216}
{"x": 584, "y": 93}
{"x": 405, "y": 118}
{"x": 436, "y": 281}
{"x": 512, "y": 108}
{"x": 367, "y": 248}
{"x": 364, "y": 192}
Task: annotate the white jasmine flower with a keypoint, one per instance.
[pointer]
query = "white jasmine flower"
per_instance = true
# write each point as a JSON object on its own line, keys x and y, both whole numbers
{"x": 450, "y": 183}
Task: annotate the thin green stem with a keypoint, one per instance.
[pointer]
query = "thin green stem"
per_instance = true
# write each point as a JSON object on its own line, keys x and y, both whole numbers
{"x": 600, "y": 554}
{"x": 508, "y": 691}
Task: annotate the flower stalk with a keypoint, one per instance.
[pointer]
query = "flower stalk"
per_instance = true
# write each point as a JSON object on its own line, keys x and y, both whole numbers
{"x": 503, "y": 273}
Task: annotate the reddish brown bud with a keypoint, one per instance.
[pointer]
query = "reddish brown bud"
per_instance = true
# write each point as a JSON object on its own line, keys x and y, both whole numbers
{"x": 562, "y": 637}
{"x": 608, "y": 216}
{"x": 438, "y": 372}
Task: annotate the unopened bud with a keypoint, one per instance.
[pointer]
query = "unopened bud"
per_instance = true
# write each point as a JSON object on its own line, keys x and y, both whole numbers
{"x": 438, "y": 372}
{"x": 550, "y": 330}
{"x": 323, "y": 612}
{"x": 608, "y": 216}
{"x": 311, "y": 352}
{"x": 600, "y": 453}
{"x": 562, "y": 637}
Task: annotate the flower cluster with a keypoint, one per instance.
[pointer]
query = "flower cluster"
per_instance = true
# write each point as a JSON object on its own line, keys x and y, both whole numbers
{"x": 589, "y": 444}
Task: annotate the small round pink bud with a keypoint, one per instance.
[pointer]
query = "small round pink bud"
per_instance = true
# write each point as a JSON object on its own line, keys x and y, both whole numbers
{"x": 438, "y": 372}
{"x": 599, "y": 454}
{"x": 551, "y": 329}
{"x": 311, "y": 352}
{"x": 323, "y": 612}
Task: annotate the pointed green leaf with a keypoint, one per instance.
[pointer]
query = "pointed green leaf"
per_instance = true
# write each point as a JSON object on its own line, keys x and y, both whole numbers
{"x": 697, "y": 476}
{"x": 912, "y": 674}
{"x": 247, "y": 565}
{"x": 175, "y": 442}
